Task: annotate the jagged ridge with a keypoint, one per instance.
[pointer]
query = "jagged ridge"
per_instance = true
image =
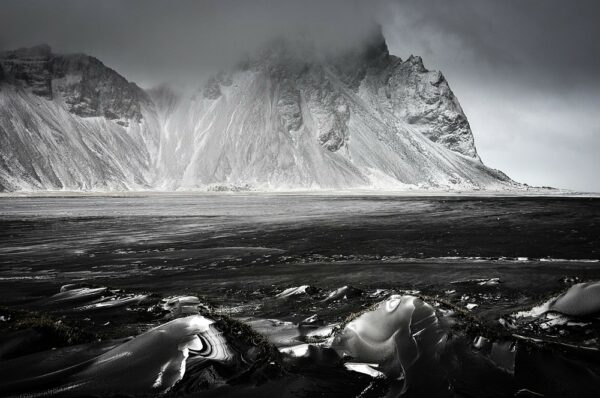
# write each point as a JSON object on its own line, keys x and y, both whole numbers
{"x": 287, "y": 118}
{"x": 69, "y": 122}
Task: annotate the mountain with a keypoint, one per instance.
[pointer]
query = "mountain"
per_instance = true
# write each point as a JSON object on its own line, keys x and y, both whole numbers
{"x": 69, "y": 122}
{"x": 289, "y": 117}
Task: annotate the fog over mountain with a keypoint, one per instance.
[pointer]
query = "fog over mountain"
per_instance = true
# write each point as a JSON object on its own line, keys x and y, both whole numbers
{"x": 290, "y": 116}
{"x": 527, "y": 74}
{"x": 299, "y": 198}
{"x": 154, "y": 41}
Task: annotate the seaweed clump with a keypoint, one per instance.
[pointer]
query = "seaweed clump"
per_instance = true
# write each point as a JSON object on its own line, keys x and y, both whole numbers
{"x": 264, "y": 356}
{"x": 33, "y": 332}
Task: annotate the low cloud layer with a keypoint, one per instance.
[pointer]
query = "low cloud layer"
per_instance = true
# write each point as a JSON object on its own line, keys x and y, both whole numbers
{"x": 153, "y": 40}
{"x": 527, "y": 72}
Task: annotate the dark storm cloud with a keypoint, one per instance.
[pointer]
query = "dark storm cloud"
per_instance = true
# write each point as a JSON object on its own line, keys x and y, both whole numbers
{"x": 552, "y": 39}
{"x": 527, "y": 72}
{"x": 151, "y": 40}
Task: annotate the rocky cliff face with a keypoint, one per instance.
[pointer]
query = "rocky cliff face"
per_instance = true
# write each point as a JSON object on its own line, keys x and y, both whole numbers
{"x": 30, "y": 68}
{"x": 409, "y": 92}
{"x": 85, "y": 84}
{"x": 292, "y": 118}
{"x": 69, "y": 122}
{"x": 423, "y": 99}
{"x": 287, "y": 118}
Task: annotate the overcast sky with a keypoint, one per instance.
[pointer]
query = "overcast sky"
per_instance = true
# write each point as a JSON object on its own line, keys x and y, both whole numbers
{"x": 527, "y": 72}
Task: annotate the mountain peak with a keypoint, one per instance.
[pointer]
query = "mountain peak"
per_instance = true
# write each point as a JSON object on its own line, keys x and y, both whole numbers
{"x": 86, "y": 85}
{"x": 299, "y": 114}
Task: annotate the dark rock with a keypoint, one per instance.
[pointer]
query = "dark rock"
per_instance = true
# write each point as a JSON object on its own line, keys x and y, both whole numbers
{"x": 92, "y": 89}
{"x": 88, "y": 87}
{"x": 30, "y": 67}
{"x": 288, "y": 107}
{"x": 212, "y": 89}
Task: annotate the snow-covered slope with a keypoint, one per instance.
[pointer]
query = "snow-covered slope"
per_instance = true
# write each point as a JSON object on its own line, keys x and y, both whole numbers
{"x": 69, "y": 122}
{"x": 286, "y": 118}
{"x": 289, "y": 118}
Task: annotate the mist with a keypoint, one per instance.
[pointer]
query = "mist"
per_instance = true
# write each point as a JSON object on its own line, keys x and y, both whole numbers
{"x": 527, "y": 73}
{"x": 151, "y": 41}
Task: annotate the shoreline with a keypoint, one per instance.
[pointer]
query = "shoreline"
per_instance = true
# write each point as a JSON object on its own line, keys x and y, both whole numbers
{"x": 546, "y": 193}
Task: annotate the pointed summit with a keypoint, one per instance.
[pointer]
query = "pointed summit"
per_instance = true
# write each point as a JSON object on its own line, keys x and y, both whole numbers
{"x": 296, "y": 115}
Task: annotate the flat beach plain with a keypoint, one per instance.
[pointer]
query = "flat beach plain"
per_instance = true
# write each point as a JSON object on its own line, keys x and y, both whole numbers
{"x": 490, "y": 255}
